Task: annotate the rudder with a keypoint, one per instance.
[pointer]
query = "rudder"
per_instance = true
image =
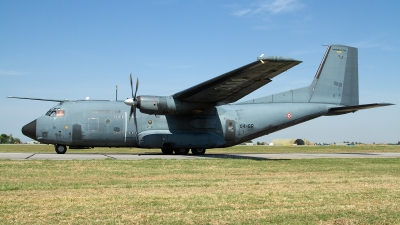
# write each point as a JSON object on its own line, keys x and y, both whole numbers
{"x": 336, "y": 80}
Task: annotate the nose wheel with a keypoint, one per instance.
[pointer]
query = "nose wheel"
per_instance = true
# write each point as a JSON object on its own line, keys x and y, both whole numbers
{"x": 60, "y": 149}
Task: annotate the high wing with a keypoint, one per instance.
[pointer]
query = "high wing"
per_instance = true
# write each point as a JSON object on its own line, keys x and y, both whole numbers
{"x": 236, "y": 84}
{"x": 39, "y": 99}
{"x": 51, "y": 100}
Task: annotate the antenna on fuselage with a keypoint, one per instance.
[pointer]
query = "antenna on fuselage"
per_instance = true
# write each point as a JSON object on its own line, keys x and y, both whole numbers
{"x": 116, "y": 92}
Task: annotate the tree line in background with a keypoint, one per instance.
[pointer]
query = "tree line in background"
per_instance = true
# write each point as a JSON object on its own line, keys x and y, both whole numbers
{"x": 9, "y": 139}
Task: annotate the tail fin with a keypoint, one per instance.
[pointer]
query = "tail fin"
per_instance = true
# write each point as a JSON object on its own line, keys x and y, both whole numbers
{"x": 336, "y": 80}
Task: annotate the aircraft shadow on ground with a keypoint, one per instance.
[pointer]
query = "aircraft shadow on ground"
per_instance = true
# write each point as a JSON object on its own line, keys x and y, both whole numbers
{"x": 229, "y": 156}
{"x": 211, "y": 156}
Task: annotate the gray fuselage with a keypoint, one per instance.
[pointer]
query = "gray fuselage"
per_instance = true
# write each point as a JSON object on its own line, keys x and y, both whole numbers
{"x": 106, "y": 124}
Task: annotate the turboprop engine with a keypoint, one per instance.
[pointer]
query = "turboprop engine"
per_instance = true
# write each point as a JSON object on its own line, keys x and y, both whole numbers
{"x": 160, "y": 105}
{"x": 164, "y": 105}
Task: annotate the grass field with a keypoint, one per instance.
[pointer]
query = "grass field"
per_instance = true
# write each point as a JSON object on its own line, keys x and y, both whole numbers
{"x": 235, "y": 149}
{"x": 207, "y": 191}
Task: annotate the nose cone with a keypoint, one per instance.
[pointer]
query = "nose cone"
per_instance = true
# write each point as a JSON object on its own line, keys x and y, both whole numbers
{"x": 29, "y": 130}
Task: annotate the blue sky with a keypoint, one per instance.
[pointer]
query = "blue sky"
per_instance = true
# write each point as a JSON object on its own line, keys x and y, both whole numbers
{"x": 78, "y": 49}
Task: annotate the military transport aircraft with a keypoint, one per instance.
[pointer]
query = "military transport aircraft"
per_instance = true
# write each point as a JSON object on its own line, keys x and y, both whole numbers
{"x": 205, "y": 116}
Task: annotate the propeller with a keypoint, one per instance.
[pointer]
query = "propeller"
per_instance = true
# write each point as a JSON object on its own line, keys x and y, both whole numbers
{"x": 133, "y": 102}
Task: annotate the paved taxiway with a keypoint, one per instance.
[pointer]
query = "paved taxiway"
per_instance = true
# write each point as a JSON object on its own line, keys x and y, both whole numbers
{"x": 88, "y": 156}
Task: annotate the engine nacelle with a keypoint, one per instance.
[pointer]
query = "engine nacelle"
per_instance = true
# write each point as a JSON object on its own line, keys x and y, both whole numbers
{"x": 167, "y": 105}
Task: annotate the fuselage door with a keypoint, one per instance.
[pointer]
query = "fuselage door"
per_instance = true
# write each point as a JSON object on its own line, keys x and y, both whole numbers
{"x": 76, "y": 133}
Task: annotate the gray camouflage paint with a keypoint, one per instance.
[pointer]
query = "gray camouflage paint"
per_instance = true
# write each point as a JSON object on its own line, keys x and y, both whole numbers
{"x": 106, "y": 123}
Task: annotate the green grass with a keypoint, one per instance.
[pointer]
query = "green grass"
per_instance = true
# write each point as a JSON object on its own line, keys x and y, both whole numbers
{"x": 218, "y": 191}
{"x": 235, "y": 149}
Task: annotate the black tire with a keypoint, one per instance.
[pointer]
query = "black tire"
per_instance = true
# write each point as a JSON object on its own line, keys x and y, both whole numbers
{"x": 61, "y": 149}
{"x": 181, "y": 151}
{"x": 198, "y": 151}
{"x": 167, "y": 151}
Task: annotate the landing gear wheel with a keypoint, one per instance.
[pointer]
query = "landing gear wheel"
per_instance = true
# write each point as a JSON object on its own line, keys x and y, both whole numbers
{"x": 181, "y": 151}
{"x": 167, "y": 151}
{"x": 61, "y": 149}
{"x": 198, "y": 151}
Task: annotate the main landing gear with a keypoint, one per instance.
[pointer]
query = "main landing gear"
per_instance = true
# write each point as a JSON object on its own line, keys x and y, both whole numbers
{"x": 60, "y": 149}
{"x": 198, "y": 151}
{"x": 183, "y": 151}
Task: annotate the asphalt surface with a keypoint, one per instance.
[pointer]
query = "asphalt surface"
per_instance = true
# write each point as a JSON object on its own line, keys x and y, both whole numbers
{"x": 88, "y": 156}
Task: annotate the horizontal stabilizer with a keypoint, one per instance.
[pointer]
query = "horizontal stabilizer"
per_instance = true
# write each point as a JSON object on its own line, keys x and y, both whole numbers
{"x": 349, "y": 109}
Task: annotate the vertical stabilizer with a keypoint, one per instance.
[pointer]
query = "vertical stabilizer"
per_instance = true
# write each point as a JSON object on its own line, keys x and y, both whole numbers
{"x": 336, "y": 80}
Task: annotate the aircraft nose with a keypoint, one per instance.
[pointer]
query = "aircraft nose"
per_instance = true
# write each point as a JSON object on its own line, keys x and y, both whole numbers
{"x": 29, "y": 130}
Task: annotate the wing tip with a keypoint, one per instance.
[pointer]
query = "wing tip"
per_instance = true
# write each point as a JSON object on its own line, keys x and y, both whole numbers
{"x": 279, "y": 59}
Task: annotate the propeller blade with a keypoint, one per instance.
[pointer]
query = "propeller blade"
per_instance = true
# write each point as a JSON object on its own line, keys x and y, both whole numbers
{"x": 134, "y": 119}
{"x": 137, "y": 86}
{"x": 126, "y": 128}
{"x": 130, "y": 114}
{"x": 132, "y": 85}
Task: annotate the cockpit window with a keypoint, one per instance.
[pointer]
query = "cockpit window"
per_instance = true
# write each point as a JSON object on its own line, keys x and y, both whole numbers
{"x": 55, "y": 112}
{"x": 60, "y": 113}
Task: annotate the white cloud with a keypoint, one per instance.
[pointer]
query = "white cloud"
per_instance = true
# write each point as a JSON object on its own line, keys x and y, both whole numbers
{"x": 271, "y": 7}
{"x": 242, "y": 12}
